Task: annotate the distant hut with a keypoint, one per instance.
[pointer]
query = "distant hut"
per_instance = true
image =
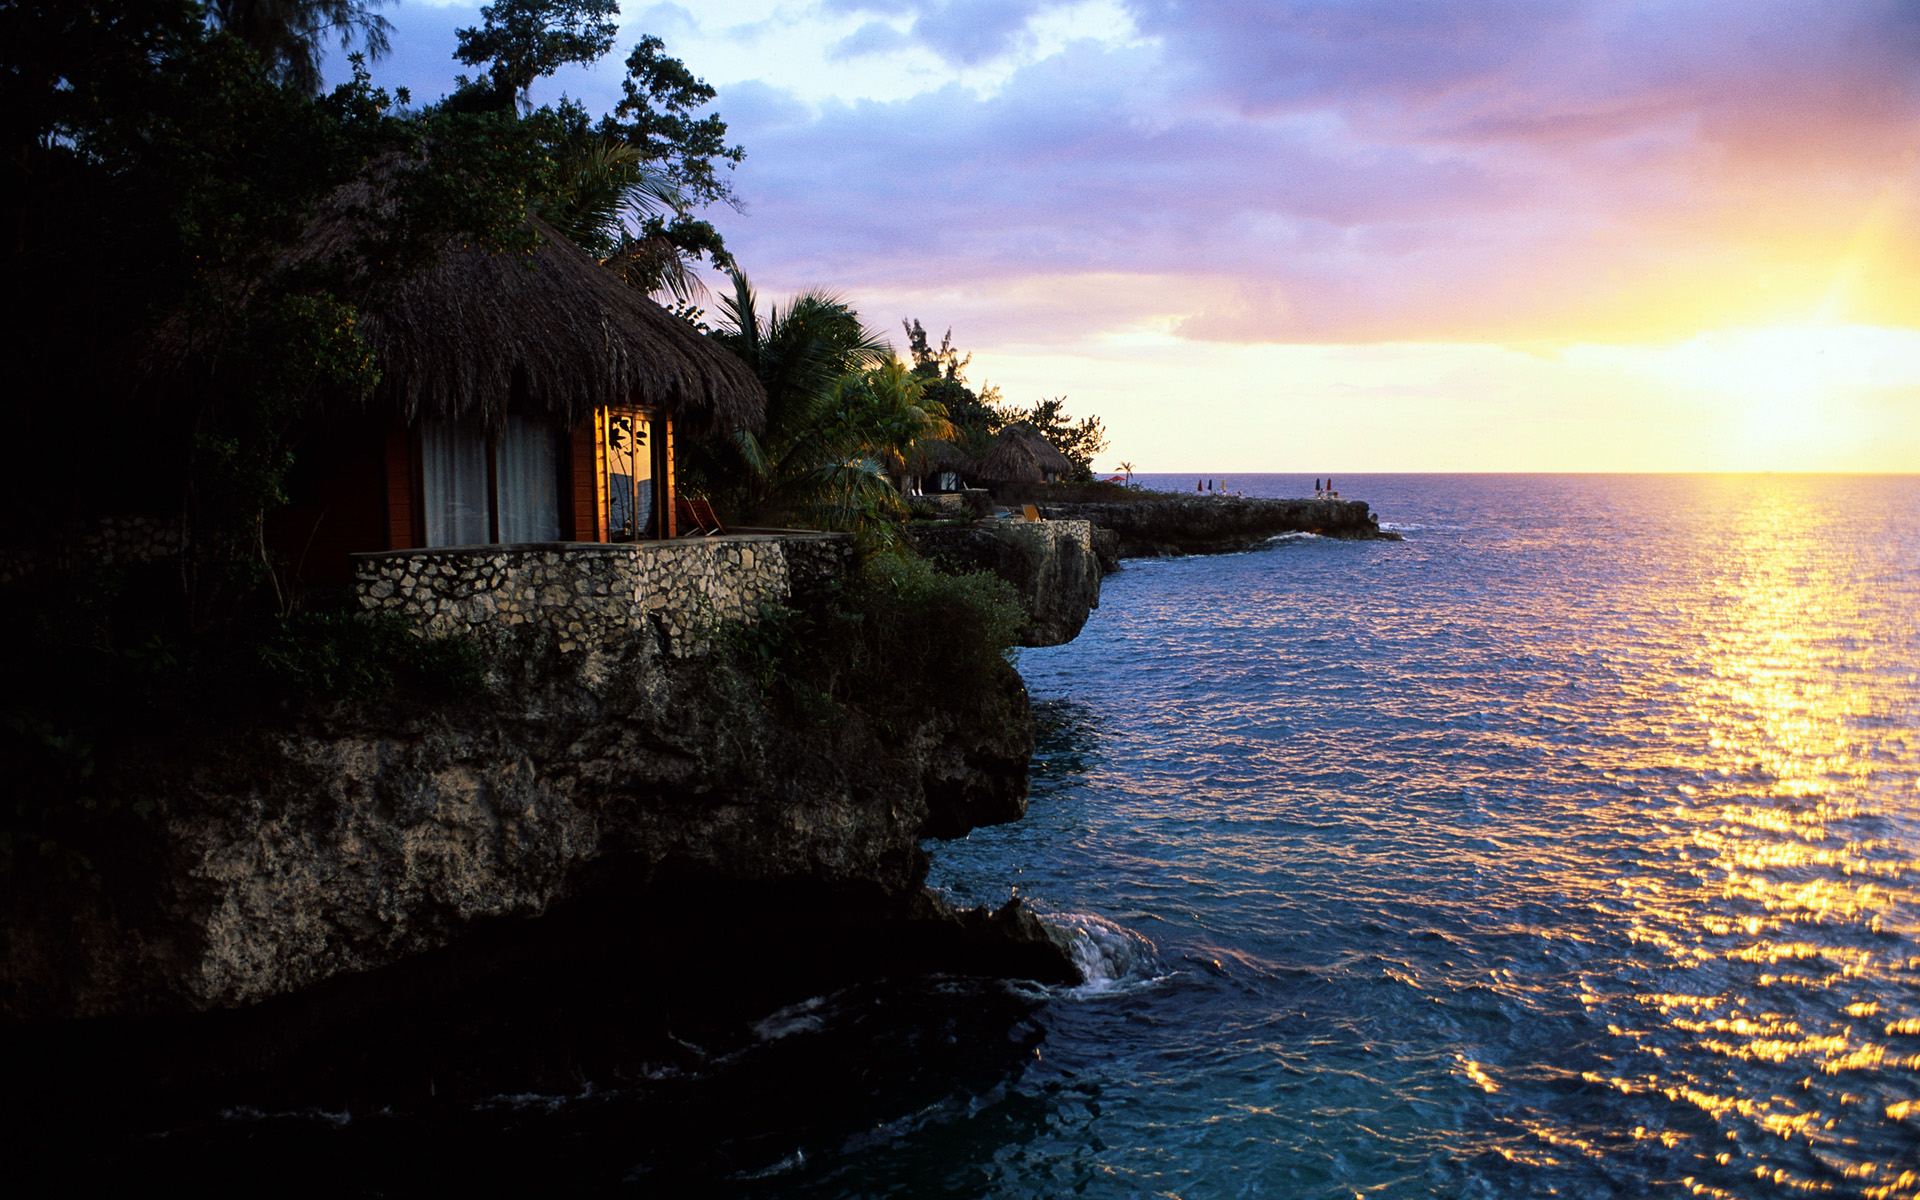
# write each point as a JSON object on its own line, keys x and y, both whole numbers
{"x": 1020, "y": 455}
{"x": 937, "y": 465}
{"x": 521, "y": 399}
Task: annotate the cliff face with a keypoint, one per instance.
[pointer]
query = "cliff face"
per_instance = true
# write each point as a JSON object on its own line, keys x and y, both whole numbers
{"x": 333, "y": 843}
{"x": 1053, "y": 565}
{"x": 1176, "y": 525}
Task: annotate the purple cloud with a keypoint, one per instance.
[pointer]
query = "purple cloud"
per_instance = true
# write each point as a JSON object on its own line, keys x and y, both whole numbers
{"x": 1316, "y": 170}
{"x": 962, "y": 32}
{"x": 875, "y": 37}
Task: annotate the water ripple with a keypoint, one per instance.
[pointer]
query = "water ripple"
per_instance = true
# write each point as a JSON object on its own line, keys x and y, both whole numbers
{"x": 1571, "y": 846}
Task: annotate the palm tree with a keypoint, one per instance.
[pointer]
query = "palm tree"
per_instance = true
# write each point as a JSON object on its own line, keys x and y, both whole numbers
{"x": 602, "y": 191}
{"x": 1128, "y": 468}
{"x": 889, "y": 412}
{"x": 815, "y": 459}
{"x": 287, "y": 34}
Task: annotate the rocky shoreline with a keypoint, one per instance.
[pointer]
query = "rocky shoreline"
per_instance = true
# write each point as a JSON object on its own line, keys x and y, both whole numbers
{"x": 1163, "y": 526}
{"x": 318, "y": 885}
{"x": 349, "y": 898}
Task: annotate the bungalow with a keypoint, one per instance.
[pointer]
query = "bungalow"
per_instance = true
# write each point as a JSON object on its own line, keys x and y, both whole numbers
{"x": 522, "y": 400}
{"x": 516, "y": 465}
{"x": 1020, "y": 455}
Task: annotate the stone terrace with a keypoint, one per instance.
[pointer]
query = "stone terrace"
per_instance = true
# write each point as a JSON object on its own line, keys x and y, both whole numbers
{"x": 594, "y": 594}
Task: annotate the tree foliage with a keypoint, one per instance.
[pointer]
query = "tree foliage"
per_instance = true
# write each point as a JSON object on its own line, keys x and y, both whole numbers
{"x": 658, "y": 116}
{"x": 519, "y": 41}
{"x": 289, "y": 35}
{"x": 974, "y": 416}
{"x": 978, "y": 416}
{"x": 842, "y": 412}
{"x": 627, "y": 188}
{"x": 807, "y": 463}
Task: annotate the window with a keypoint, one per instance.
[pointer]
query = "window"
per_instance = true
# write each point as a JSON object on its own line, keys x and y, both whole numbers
{"x": 478, "y": 487}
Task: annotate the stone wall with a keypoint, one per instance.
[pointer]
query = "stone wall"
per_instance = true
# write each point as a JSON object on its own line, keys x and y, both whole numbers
{"x": 108, "y": 541}
{"x": 595, "y": 594}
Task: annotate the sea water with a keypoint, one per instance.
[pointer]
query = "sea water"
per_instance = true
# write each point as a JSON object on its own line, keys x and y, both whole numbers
{"x": 1568, "y": 847}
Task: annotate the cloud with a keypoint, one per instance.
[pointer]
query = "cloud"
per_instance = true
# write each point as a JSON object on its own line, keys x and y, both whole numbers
{"x": 875, "y": 37}
{"x": 1314, "y": 170}
{"x": 960, "y": 32}
{"x": 1379, "y": 171}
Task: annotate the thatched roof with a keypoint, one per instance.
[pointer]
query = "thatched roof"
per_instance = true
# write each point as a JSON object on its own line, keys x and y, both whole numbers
{"x": 1020, "y": 455}
{"x": 930, "y": 455}
{"x": 1046, "y": 453}
{"x": 556, "y": 330}
{"x": 553, "y": 331}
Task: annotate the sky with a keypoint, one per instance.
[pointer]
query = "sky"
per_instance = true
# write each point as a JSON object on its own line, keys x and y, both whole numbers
{"x": 1339, "y": 236}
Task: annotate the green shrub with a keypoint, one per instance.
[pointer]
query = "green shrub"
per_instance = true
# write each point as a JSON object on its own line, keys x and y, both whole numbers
{"x": 895, "y": 636}
{"x": 355, "y": 656}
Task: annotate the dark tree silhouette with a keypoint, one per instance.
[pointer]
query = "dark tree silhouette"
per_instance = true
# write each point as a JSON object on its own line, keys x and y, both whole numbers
{"x": 288, "y": 34}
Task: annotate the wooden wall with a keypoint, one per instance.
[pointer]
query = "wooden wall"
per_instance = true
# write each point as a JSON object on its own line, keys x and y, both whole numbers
{"x": 356, "y": 487}
{"x": 338, "y": 489}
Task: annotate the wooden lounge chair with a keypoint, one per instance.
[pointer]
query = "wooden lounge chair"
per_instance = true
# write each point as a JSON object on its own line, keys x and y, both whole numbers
{"x": 1031, "y": 513}
{"x": 696, "y": 517}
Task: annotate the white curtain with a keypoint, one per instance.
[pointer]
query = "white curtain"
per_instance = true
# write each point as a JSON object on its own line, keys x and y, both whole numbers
{"x": 527, "y": 490}
{"x": 453, "y": 460}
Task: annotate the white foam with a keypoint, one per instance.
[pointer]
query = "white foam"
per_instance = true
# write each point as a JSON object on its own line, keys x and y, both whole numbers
{"x": 1297, "y": 535}
{"x": 794, "y": 1018}
{"x": 792, "y": 1162}
{"x": 1111, "y": 957}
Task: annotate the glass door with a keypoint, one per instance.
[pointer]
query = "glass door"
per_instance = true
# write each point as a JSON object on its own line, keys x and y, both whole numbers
{"x": 626, "y": 438}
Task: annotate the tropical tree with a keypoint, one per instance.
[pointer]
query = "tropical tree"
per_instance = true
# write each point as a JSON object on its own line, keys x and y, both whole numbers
{"x": 976, "y": 415}
{"x": 808, "y": 463}
{"x": 625, "y": 188}
{"x": 519, "y": 41}
{"x": 887, "y": 412}
{"x": 601, "y": 192}
{"x": 288, "y": 34}
{"x": 1127, "y": 468}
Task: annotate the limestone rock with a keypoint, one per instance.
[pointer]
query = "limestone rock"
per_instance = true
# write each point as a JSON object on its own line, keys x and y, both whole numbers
{"x": 1051, "y": 563}
{"x": 321, "y": 845}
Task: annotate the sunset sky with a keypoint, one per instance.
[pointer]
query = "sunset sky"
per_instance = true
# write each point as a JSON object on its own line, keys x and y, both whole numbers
{"x": 1323, "y": 236}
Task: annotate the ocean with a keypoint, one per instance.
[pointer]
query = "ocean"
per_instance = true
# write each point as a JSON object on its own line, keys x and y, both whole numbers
{"x": 1568, "y": 847}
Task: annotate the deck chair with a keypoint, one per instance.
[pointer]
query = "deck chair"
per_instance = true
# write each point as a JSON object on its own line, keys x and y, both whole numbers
{"x": 696, "y": 517}
{"x": 1031, "y": 513}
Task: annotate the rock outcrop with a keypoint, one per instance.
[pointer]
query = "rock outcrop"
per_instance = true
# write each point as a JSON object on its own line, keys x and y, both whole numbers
{"x": 1162, "y": 526}
{"x": 336, "y": 843}
{"x": 1053, "y": 565}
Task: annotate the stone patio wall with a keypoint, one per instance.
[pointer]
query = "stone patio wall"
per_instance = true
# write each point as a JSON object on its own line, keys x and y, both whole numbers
{"x": 595, "y": 594}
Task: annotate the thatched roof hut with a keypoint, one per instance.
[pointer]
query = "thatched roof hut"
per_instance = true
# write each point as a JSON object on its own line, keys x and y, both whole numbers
{"x": 555, "y": 330}
{"x": 1020, "y": 455}
{"x": 551, "y": 332}
{"x": 524, "y": 398}
{"x": 932, "y": 455}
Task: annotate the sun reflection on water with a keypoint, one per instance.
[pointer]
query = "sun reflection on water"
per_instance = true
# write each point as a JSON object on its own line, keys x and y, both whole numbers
{"x": 1795, "y": 896}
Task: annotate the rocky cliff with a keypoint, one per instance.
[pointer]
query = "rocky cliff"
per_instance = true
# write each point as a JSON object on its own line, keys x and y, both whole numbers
{"x": 343, "y": 859}
{"x": 1157, "y": 526}
{"x": 1052, "y": 564}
